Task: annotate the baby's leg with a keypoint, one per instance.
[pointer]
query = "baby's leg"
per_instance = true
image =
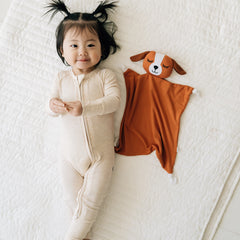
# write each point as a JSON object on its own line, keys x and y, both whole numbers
{"x": 90, "y": 198}
{"x": 72, "y": 182}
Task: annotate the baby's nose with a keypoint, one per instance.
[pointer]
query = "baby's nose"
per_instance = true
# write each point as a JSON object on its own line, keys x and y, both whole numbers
{"x": 82, "y": 51}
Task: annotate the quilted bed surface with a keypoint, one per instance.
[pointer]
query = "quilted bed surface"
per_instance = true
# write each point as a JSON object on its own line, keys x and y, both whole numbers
{"x": 142, "y": 203}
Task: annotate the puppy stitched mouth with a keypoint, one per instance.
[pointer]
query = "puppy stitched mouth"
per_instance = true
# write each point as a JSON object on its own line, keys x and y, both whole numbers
{"x": 154, "y": 71}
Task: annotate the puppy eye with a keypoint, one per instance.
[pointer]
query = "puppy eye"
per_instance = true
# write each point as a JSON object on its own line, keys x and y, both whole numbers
{"x": 149, "y": 61}
{"x": 165, "y": 66}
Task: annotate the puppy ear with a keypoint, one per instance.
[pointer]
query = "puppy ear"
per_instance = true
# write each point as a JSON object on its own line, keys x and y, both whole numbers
{"x": 177, "y": 68}
{"x": 139, "y": 56}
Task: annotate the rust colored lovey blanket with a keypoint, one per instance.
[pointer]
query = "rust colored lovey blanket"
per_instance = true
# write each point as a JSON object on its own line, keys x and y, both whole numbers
{"x": 151, "y": 118}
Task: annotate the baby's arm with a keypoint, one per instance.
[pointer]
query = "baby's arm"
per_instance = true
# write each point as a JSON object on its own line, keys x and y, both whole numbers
{"x": 55, "y": 105}
{"x": 109, "y": 102}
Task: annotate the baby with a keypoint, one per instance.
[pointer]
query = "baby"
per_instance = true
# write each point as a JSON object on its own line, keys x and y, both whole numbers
{"x": 86, "y": 97}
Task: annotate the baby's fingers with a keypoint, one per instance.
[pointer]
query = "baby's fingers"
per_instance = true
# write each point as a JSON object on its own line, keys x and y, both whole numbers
{"x": 58, "y": 102}
{"x": 60, "y": 109}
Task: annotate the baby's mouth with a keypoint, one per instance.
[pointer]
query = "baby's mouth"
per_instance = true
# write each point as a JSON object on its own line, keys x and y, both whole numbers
{"x": 82, "y": 60}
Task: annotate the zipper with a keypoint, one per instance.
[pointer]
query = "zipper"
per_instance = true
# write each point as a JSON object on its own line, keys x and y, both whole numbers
{"x": 85, "y": 125}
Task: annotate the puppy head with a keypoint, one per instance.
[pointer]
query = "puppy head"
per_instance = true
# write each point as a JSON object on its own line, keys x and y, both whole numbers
{"x": 158, "y": 64}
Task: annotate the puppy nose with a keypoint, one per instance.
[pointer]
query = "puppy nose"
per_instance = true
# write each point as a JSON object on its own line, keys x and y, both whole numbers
{"x": 155, "y": 67}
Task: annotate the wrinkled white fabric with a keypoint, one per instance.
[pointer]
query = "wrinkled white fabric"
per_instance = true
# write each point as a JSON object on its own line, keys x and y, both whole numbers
{"x": 203, "y": 37}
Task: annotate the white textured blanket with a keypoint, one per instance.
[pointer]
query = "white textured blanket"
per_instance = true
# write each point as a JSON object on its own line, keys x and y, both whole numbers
{"x": 203, "y": 37}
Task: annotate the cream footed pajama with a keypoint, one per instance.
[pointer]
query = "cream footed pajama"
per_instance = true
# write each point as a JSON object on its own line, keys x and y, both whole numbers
{"x": 86, "y": 146}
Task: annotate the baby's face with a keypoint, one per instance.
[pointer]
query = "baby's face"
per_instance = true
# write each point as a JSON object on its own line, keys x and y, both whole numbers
{"x": 81, "y": 50}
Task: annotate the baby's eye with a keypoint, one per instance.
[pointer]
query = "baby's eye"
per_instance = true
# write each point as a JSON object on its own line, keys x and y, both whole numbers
{"x": 149, "y": 61}
{"x": 165, "y": 66}
{"x": 91, "y": 45}
{"x": 74, "y": 46}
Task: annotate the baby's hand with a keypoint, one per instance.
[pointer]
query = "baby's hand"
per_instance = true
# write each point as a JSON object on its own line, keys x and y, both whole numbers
{"x": 74, "y": 108}
{"x": 58, "y": 106}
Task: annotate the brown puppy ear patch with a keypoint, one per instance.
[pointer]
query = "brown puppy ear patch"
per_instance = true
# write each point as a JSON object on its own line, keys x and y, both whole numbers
{"x": 139, "y": 56}
{"x": 178, "y": 68}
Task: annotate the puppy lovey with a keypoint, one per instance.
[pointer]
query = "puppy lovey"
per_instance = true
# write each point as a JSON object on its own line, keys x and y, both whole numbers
{"x": 154, "y": 106}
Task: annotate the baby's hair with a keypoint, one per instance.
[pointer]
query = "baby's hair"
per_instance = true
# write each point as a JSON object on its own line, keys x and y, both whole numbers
{"x": 95, "y": 22}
